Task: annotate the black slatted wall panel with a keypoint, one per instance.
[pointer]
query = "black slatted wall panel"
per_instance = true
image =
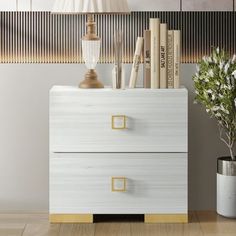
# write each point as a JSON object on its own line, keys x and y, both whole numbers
{"x": 39, "y": 37}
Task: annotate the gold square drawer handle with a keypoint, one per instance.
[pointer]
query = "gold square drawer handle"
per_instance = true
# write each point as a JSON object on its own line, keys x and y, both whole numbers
{"x": 118, "y": 184}
{"x": 119, "y": 122}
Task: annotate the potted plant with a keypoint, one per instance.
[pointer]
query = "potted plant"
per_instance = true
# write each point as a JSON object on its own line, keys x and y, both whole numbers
{"x": 215, "y": 87}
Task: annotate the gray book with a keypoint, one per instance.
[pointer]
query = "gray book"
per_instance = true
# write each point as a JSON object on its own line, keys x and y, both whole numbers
{"x": 147, "y": 59}
{"x": 163, "y": 56}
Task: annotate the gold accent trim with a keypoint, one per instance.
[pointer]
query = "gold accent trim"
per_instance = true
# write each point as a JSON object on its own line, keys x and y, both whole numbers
{"x": 113, "y": 189}
{"x": 71, "y": 218}
{"x": 113, "y": 122}
{"x": 166, "y": 218}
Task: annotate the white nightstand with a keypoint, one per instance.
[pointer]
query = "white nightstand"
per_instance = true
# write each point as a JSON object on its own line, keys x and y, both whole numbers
{"x": 118, "y": 152}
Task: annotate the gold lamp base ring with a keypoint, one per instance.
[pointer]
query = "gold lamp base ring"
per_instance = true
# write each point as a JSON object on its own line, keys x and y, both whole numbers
{"x": 91, "y": 81}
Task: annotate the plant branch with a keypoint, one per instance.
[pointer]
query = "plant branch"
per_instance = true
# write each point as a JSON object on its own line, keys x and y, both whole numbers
{"x": 221, "y": 136}
{"x": 229, "y": 144}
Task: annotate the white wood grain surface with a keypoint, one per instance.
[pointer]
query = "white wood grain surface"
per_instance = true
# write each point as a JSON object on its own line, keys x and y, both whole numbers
{"x": 80, "y": 120}
{"x": 81, "y": 183}
{"x": 42, "y": 5}
{"x": 207, "y": 5}
{"x": 24, "y": 5}
{"x": 7, "y": 5}
{"x": 154, "y": 5}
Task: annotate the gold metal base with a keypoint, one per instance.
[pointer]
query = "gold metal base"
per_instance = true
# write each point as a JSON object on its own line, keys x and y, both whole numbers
{"x": 91, "y": 81}
{"x": 166, "y": 218}
{"x": 71, "y": 218}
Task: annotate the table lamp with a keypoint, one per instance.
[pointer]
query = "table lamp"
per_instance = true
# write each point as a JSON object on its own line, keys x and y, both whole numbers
{"x": 91, "y": 43}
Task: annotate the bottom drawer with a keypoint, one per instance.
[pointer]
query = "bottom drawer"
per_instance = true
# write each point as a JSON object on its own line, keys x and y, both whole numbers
{"x": 118, "y": 183}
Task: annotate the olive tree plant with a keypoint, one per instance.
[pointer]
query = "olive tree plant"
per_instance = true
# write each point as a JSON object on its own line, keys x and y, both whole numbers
{"x": 215, "y": 87}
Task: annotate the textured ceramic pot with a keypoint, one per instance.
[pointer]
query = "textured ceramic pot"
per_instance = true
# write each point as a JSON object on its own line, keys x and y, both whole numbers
{"x": 226, "y": 187}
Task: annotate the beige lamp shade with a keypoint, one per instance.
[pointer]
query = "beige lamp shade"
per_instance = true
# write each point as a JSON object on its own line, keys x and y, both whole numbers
{"x": 90, "y": 6}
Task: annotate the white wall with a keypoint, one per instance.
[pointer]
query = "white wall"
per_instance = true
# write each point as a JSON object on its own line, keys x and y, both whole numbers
{"x": 154, "y": 5}
{"x": 24, "y": 136}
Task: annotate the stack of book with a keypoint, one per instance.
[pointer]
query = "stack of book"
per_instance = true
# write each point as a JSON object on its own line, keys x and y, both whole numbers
{"x": 161, "y": 57}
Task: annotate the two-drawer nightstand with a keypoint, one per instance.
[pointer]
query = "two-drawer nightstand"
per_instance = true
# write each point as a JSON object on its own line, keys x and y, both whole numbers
{"x": 118, "y": 152}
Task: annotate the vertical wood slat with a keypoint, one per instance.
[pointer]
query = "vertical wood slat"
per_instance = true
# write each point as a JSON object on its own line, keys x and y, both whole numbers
{"x": 39, "y": 37}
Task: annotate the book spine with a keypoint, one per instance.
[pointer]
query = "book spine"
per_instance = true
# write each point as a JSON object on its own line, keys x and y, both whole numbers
{"x": 170, "y": 60}
{"x": 147, "y": 59}
{"x": 136, "y": 62}
{"x": 176, "y": 59}
{"x": 163, "y": 56}
{"x": 155, "y": 53}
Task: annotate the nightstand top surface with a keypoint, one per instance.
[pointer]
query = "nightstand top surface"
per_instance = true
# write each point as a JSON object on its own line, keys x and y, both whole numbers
{"x": 57, "y": 88}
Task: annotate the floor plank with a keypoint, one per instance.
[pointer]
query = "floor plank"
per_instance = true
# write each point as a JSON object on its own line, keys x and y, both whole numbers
{"x": 192, "y": 228}
{"x": 66, "y": 230}
{"x": 11, "y": 229}
{"x": 113, "y": 229}
{"x": 215, "y": 225}
{"x": 166, "y": 230}
{"x": 24, "y": 218}
{"x": 84, "y": 230}
{"x": 41, "y": 230}
{"x": 141, "y": 229}
{"x": 77, "y": 230}
{"x": 200, "y": 224}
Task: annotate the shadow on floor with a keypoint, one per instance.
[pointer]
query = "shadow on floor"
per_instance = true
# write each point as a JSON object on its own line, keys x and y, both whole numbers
{"x": 118, "y": 218}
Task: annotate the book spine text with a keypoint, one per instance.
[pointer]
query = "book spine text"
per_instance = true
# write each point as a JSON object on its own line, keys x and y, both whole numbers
{"x": 176, "y": 59}
{"x": 147, "y": 59}
{"x": 170, "y": 60}
{"x": 163, "y": 56}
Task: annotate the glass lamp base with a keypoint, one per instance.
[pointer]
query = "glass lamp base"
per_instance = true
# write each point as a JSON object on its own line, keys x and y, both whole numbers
{"x": 91, "y": 81}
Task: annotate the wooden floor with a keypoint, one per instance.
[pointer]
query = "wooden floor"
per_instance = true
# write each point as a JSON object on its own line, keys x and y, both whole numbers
{"x": 201, "y": 223}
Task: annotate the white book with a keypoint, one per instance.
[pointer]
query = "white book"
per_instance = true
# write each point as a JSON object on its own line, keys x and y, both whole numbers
{"x": 155, "y": 53}
{"x": 163, "y": 56}
{"x": 170, "y": 60}
{"x": 136, "y": 63}
{"x": 177, "y": 58}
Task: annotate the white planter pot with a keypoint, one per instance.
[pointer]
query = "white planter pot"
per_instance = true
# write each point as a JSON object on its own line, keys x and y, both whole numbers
{"x": 226, "y": 187}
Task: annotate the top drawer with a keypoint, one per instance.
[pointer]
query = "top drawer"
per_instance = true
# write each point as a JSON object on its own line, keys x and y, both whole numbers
{"x": 137, "y": 120}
